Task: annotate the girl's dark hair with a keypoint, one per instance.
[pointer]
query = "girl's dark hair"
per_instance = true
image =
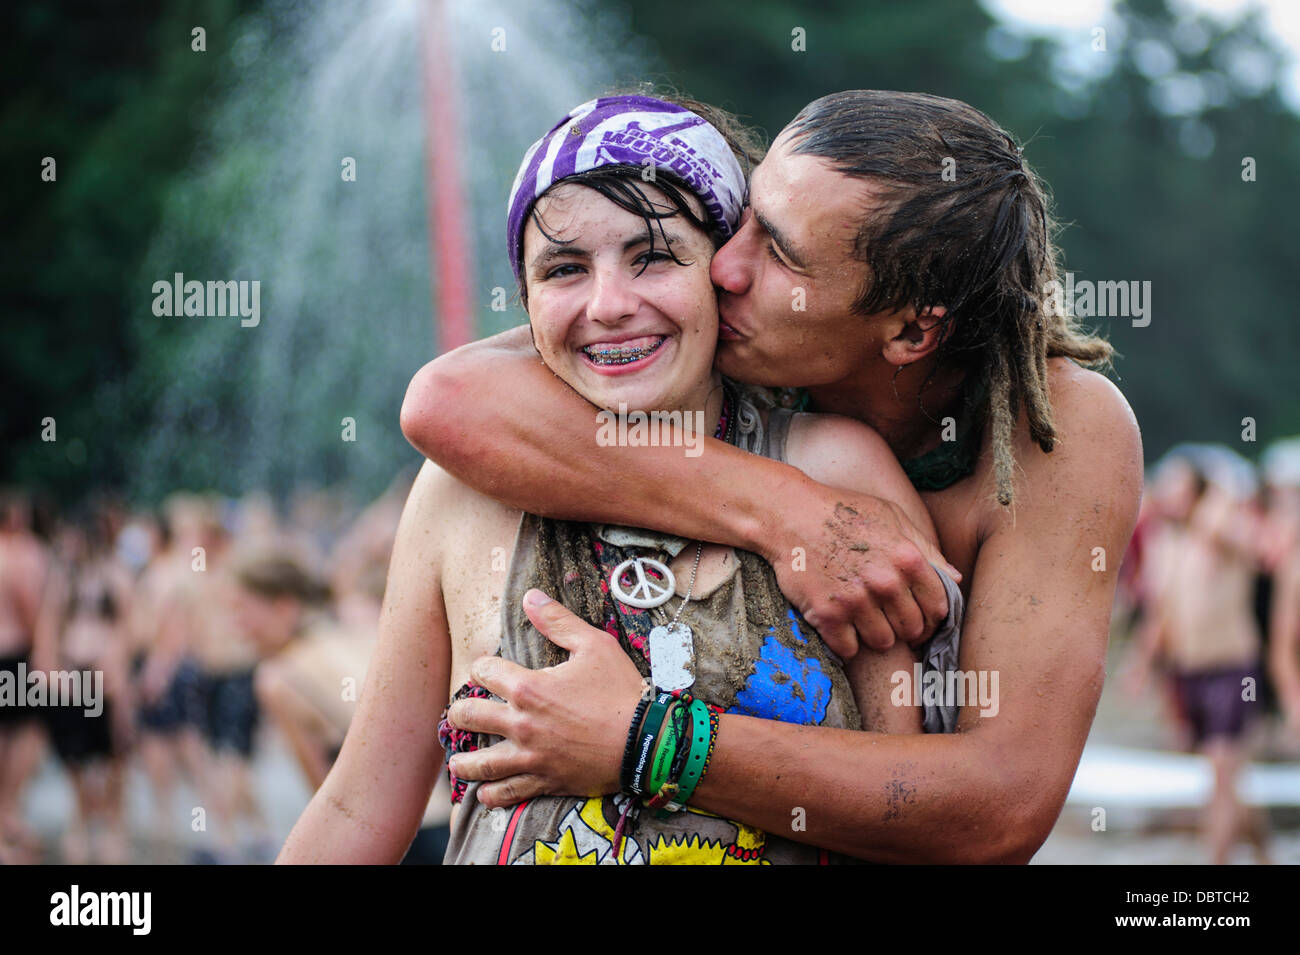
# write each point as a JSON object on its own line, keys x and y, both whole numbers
{"x": 623, "y": 184}
{"x": 960, "y": 220}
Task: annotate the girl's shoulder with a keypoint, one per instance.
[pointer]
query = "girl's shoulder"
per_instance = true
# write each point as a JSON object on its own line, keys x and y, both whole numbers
{"x": 442, "y": 503}
{"x": 836, "y": 450}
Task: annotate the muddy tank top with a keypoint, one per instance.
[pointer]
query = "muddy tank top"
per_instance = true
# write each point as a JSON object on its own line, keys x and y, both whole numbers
{"x": 754, "y": 656}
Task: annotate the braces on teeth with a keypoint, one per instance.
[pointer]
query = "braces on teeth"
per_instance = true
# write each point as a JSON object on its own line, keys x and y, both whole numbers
{"x": 614, "y": 357}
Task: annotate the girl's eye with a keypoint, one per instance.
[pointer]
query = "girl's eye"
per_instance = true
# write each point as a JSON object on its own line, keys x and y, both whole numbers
{"x": 653, "y": 256}
{"x": 560, "y": 271}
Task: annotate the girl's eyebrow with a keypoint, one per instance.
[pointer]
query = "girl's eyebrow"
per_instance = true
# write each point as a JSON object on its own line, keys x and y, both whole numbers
{"x": 671, "y": 238}
{"x": 557, "y": 251}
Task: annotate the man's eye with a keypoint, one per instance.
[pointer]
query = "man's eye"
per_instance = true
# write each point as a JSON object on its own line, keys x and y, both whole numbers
{"x": 771, "y": 251}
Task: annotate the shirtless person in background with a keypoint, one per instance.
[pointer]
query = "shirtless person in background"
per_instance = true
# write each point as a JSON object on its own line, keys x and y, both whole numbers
{"x": 1203, "y": 629}
{"x": 836, "y": 282}
{"x": 167, "y": 676}
{"x": 227, "y": 659}
{"x": 24, "y": 564}
{"x": 82, "y": 630}
{"x": 1282, "y": 472}
{"x": 313, "y": 666}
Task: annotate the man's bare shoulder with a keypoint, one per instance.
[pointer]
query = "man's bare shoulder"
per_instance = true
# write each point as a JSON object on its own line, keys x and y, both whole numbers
{"x": 1098, "y": 434}
{"x": 1081, "y": 396}
{"x": 1096, "y": 460}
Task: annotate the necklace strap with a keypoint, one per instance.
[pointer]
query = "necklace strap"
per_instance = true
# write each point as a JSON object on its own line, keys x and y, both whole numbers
{"x": 690, "y": 588}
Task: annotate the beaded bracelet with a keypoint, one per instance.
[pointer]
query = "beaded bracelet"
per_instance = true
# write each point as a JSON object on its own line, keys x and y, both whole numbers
{"x": 714, "y": 715}
{"x": 682, "y": 755}
{"x": 629, "y": 748}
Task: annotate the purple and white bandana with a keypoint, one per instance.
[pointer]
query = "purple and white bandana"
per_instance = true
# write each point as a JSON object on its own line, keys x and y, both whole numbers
{"x": 629, "y": 129}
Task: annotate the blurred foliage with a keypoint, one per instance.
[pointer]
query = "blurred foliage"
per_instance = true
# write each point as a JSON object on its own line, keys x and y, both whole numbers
{"x": 115, "y": 94}
{"x": 1147, "y": 192}
{"x": 1142, "y": 144}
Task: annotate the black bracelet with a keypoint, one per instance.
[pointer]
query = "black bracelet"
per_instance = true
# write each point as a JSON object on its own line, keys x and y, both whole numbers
{"x": 629, "y": 748}
{"x": 682, "y": 723}
{"x": 645, "y": 743}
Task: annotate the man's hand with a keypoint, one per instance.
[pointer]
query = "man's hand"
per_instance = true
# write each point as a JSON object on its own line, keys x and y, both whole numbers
{"x": 857, "y": 567}
{"x": 564, "y": 727}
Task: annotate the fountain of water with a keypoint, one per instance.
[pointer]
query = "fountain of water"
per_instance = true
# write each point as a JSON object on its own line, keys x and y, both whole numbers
{"x": 312, "y": 181}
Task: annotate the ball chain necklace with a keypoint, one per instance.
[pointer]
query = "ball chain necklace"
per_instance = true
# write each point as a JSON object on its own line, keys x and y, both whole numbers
{"x": 652, "y": 584}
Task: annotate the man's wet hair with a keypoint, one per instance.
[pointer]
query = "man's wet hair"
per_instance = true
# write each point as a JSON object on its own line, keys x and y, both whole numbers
{"x": 979, "y": 242}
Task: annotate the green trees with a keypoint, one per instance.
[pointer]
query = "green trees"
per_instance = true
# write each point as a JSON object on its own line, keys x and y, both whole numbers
{"x": 1172, "y": 157}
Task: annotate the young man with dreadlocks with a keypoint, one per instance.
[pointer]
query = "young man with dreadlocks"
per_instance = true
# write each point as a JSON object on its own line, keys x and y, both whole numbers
{"x": 894, "y": 263}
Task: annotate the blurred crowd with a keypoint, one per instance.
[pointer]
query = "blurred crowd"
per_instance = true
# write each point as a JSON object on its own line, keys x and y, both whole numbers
{"x": 210, "y": 617}
{"x": 206, "y": 619}
{"x": 1210, "y": 589}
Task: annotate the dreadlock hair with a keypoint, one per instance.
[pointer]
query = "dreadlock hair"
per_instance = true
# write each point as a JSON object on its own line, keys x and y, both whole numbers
{"x": 978, "y": 242}
{"x": 623, "y": 184}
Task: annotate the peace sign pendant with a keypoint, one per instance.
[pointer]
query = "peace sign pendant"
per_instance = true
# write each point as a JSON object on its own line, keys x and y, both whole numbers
{"x": 642, "y": 582}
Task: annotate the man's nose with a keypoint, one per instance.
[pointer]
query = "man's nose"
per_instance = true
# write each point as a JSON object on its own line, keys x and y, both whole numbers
{"x": 613, "y": 298}
{"x": 730, "y": 270}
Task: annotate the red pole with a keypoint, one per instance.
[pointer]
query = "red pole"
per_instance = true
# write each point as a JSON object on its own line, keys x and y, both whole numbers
{"x": 449, "y": 241}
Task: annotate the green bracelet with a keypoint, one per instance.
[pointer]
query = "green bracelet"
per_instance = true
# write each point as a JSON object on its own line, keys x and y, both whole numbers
{"x": 700, "y": 743}
{"x": 645, "y": 739}
{"x": 664, "y": 754}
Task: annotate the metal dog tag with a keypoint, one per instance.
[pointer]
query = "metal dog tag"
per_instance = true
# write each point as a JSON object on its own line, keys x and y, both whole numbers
{"x": 672, "y": 657}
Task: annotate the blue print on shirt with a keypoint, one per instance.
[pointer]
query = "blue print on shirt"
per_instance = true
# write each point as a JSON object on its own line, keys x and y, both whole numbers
{"x": 783, "y": 686}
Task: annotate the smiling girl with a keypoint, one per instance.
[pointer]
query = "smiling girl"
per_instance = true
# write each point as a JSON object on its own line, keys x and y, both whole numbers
{"x": 613, "y": 220}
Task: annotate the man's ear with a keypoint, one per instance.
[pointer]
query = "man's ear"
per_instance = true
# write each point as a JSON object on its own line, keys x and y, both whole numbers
{"x": 919, "y": 335}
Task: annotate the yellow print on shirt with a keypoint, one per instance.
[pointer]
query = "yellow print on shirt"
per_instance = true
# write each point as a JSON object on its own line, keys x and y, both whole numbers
{"x": 586, "y": 838}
